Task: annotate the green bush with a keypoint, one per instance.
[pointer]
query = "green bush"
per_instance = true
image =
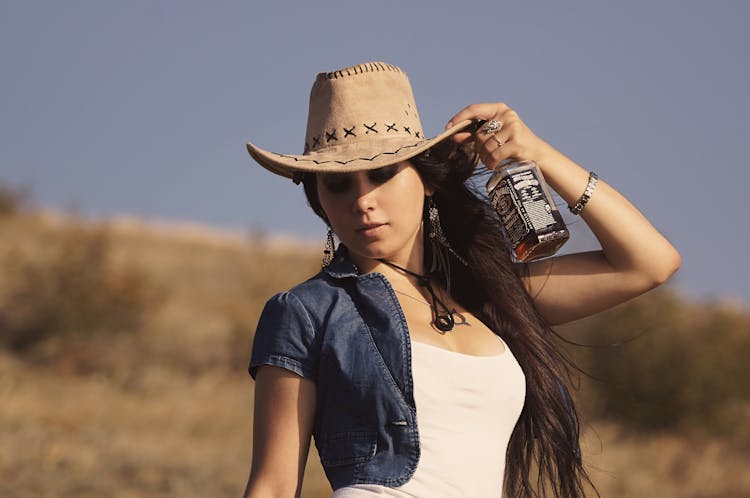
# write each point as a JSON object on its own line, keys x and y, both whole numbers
{"x": 69, "y": 291}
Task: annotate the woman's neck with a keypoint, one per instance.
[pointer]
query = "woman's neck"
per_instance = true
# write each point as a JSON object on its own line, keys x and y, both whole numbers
{"x": 414, "y": 262}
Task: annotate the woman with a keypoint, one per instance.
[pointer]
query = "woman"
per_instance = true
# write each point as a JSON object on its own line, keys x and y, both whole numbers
{"x": 420, "y": 357}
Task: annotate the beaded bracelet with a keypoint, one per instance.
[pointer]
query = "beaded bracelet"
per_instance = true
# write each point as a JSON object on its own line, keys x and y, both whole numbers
{"x": 578, "y": 207}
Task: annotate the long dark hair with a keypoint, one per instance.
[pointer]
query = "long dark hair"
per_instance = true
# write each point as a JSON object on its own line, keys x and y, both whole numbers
{"x": 544, "y": 451}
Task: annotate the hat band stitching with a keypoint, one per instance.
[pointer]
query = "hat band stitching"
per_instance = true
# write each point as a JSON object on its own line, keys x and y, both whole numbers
{"x": 317, "y": 161}
{"x": 349, "y": 132}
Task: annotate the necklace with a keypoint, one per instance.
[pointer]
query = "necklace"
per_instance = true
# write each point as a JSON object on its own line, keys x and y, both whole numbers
{"x": 458, "y": 318}
{"x": 412, "y": 297}
{"x": 442, "y": 317}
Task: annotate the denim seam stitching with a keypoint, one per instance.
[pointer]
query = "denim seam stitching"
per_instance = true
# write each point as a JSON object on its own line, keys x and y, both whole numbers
{"x": 381, "y": 361}
{"x": 285, "y": 362}
{"x": 414, "y": 432}
{"x": 311, "y": 330}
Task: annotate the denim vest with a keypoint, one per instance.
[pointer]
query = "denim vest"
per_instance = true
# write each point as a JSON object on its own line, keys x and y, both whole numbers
{"x": 348, "y": 333}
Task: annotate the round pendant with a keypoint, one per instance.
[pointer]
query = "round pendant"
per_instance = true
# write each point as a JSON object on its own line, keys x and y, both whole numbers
{"x": 444, "y": 323}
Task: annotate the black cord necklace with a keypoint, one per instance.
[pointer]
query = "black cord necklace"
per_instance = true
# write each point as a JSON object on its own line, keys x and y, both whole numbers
{"x": 442, "y": 316}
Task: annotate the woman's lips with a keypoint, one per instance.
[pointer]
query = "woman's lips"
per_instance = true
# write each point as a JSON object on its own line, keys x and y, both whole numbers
{"x": 372, "y": 230}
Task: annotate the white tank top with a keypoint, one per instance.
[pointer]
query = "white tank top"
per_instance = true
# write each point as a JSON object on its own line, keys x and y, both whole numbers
{"x": 467, "y": 407}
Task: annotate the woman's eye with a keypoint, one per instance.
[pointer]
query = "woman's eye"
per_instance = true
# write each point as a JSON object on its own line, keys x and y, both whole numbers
{"x": 336, "y": 184}
{"x": 382, "y": 175}
{"x": 339, "y": 183}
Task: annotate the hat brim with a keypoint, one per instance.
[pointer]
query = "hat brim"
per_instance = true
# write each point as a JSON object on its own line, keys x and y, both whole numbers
{"x": 344, "y": 159}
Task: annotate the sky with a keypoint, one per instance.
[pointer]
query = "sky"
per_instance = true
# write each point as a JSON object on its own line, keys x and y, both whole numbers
{"x": 144, "y": 107}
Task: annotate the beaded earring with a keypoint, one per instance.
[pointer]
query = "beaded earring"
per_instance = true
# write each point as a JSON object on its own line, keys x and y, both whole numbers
{"x": 436, "y": 233}
{"x": 329, "y": 248}
{"x": 439, "y": 244}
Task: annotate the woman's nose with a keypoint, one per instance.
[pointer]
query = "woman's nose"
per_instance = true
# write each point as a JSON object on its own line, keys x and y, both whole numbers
{"x": 364, "y": 193}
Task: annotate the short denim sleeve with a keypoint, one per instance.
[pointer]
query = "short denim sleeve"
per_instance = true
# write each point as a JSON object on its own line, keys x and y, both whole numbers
{"x": 285, "y": 337}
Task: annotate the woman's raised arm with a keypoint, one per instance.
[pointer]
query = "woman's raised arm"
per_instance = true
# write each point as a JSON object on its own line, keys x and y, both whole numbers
{"x": 634, "y": 258}
{"x": 282, "y": 425}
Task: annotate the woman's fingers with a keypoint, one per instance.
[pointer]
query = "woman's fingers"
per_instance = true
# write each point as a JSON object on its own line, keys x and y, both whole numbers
{"x": 478, "y": 111}
{"x": 493, "y": 153}
{"x": 484, "y": 112}
{"x": 492, "y": 140}
{"x": 502, "y": 135}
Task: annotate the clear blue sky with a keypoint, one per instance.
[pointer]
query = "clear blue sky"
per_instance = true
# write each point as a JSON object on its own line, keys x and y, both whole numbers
{"x": 143, "y": 107}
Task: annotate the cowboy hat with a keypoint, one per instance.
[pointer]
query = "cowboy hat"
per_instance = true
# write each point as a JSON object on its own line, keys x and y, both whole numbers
{"x": 361, "y": 117}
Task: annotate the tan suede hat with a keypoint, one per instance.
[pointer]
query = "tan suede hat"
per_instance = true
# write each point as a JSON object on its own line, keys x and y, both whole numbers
{"x": 361, "y": 117}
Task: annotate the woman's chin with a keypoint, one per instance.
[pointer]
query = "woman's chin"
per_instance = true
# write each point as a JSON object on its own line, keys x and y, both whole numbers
{"x": 371, "y": 252}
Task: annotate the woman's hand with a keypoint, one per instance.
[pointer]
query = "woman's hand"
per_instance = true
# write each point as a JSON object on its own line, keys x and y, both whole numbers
{"x": 512, "y": 139}
{"x": 634, "y": 258}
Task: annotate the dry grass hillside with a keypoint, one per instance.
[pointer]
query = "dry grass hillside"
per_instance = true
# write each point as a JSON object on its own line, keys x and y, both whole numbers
{"x": 122, "y": 370}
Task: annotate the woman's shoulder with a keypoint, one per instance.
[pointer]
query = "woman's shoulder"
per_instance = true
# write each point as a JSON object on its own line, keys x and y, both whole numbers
{"x": 319, "y": 291}
{"x": 308, "y": 308}
{"x": 326, "y": 288}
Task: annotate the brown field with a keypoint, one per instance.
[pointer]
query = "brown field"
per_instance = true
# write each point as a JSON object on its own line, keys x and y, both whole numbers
{"x": 165, "y": 408}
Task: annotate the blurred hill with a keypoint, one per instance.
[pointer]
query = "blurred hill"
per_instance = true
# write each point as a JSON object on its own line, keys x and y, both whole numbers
{"x": 123, "y": 347}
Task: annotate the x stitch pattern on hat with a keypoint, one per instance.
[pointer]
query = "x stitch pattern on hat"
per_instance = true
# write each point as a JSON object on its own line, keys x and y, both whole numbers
{"x": 360, "y": 92}
{"x": 330, "y": 136}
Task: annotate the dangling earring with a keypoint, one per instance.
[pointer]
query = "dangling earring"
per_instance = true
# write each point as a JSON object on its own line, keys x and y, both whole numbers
{"x": 328, "y": 248}
{"x": 436, "y": 230}
{"x": 439, "y": 244}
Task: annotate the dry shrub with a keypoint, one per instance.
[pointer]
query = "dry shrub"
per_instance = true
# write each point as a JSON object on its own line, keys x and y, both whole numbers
{"x": 664, "y": 363}
{"x": 266, "y": 271}
{"x": 60, "y": 295}
{"x": 13, "y": 199}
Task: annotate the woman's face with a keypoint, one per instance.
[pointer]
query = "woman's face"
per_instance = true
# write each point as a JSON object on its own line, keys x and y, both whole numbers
{"x": 376, "y": 213}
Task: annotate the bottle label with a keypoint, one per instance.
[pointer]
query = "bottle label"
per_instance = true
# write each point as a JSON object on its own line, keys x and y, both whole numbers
{"x": 520, "y": 201}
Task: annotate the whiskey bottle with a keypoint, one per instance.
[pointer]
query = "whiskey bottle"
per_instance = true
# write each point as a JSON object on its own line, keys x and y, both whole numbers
{"x": 523, "y": 201}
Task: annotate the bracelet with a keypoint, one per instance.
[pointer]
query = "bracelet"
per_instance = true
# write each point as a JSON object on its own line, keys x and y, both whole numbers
{"x": 578, "y": 207}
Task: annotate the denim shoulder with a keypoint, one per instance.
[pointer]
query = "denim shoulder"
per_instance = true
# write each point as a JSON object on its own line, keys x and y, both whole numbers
{"x": 288, "y": 334}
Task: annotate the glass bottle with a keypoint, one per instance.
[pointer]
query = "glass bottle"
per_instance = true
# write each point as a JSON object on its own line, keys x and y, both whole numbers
{"x": 523, "y": 201}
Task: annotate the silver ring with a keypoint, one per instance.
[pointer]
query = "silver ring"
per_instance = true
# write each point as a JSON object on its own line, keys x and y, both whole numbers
{"x": 499, "y": 142}
{"x": 492, "y": 126}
